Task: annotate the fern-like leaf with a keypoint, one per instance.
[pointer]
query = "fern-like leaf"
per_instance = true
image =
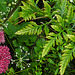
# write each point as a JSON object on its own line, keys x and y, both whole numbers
{"x": 47, "y": 47}
{"x": 71, "y": 37}
{"x": 47, "y": 9}
{"x": 29, "y": 10}
{"x": 70, "y": 14}
{"x": 56, "y": 28}
{"x": 63, "y": 6}
{"x": 66, "y": 57}
{"x": 51, "y": 43}
{"x": 31, "y": 29}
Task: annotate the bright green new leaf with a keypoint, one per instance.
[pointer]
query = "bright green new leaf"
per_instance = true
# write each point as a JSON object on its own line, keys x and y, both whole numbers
{"x": 31, "y": 29}
{"x": 65, "y": 36}
{"x": 56, "y": 28}
{"x": 47, "y": 47}
{"x": 52, "y": 34}
{"x": 59, "y": 18}
{"x": 47, "y": 9}
{"x": 29, "y": 9}
{"x": 66, "y": 57}
{"x": 69, "y": 46}
{"x": 71, "y": 37}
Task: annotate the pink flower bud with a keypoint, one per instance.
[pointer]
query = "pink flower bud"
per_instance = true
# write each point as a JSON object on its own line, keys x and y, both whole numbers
{"x": 2, "y": 39}
{"x": 4, "y": 58}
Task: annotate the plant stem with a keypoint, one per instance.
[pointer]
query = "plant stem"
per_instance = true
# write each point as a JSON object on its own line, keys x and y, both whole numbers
{"x": 11, "y": 12}
{"x": 35, "y": 42}
{"x": 9, "y": 42}
{"x": 31, "y": 19}
{"x": 20, "y": 71}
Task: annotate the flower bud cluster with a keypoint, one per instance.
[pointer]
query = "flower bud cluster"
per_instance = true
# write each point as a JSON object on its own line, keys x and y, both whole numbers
{"x": 4, "y": 54}
{"x": 4, "y": 58}
{"x": 2, "y": 39}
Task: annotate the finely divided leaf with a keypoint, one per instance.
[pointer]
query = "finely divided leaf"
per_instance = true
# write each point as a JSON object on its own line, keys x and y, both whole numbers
{"x": 47, "y": 9}
{"x": 47, "y": 47}
{"x": 66, "y": 57}
{"x": 55, "y": 27}
{"x": 71, "y": 37}
{"x": 31, "y": 29}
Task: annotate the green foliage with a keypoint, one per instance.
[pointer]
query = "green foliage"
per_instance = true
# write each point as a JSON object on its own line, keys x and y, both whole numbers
{"x": 63, "y": 7}
{"x": 44, "y": 42}
{"x": 2, "y": 6}
{"x": 72, "y": 37}
{"x": 47, "y": 9}
{"x": 29, "y": 10}
{"x": 66, "y": 57}
{"x": 31, "y": 29}
{"x": 55, "y": 38}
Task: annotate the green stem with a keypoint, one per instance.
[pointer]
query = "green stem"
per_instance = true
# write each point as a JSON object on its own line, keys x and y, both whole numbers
{"x": 13, "y": 10}
{"x": 9, "y": 42}
{"x": 20, "y": 71}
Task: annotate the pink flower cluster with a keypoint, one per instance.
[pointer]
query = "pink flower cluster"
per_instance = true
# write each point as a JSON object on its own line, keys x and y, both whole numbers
{"x": 2, "y": 39}
{"x": 4, "y": 54}
{"x": 4, "y": 58}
